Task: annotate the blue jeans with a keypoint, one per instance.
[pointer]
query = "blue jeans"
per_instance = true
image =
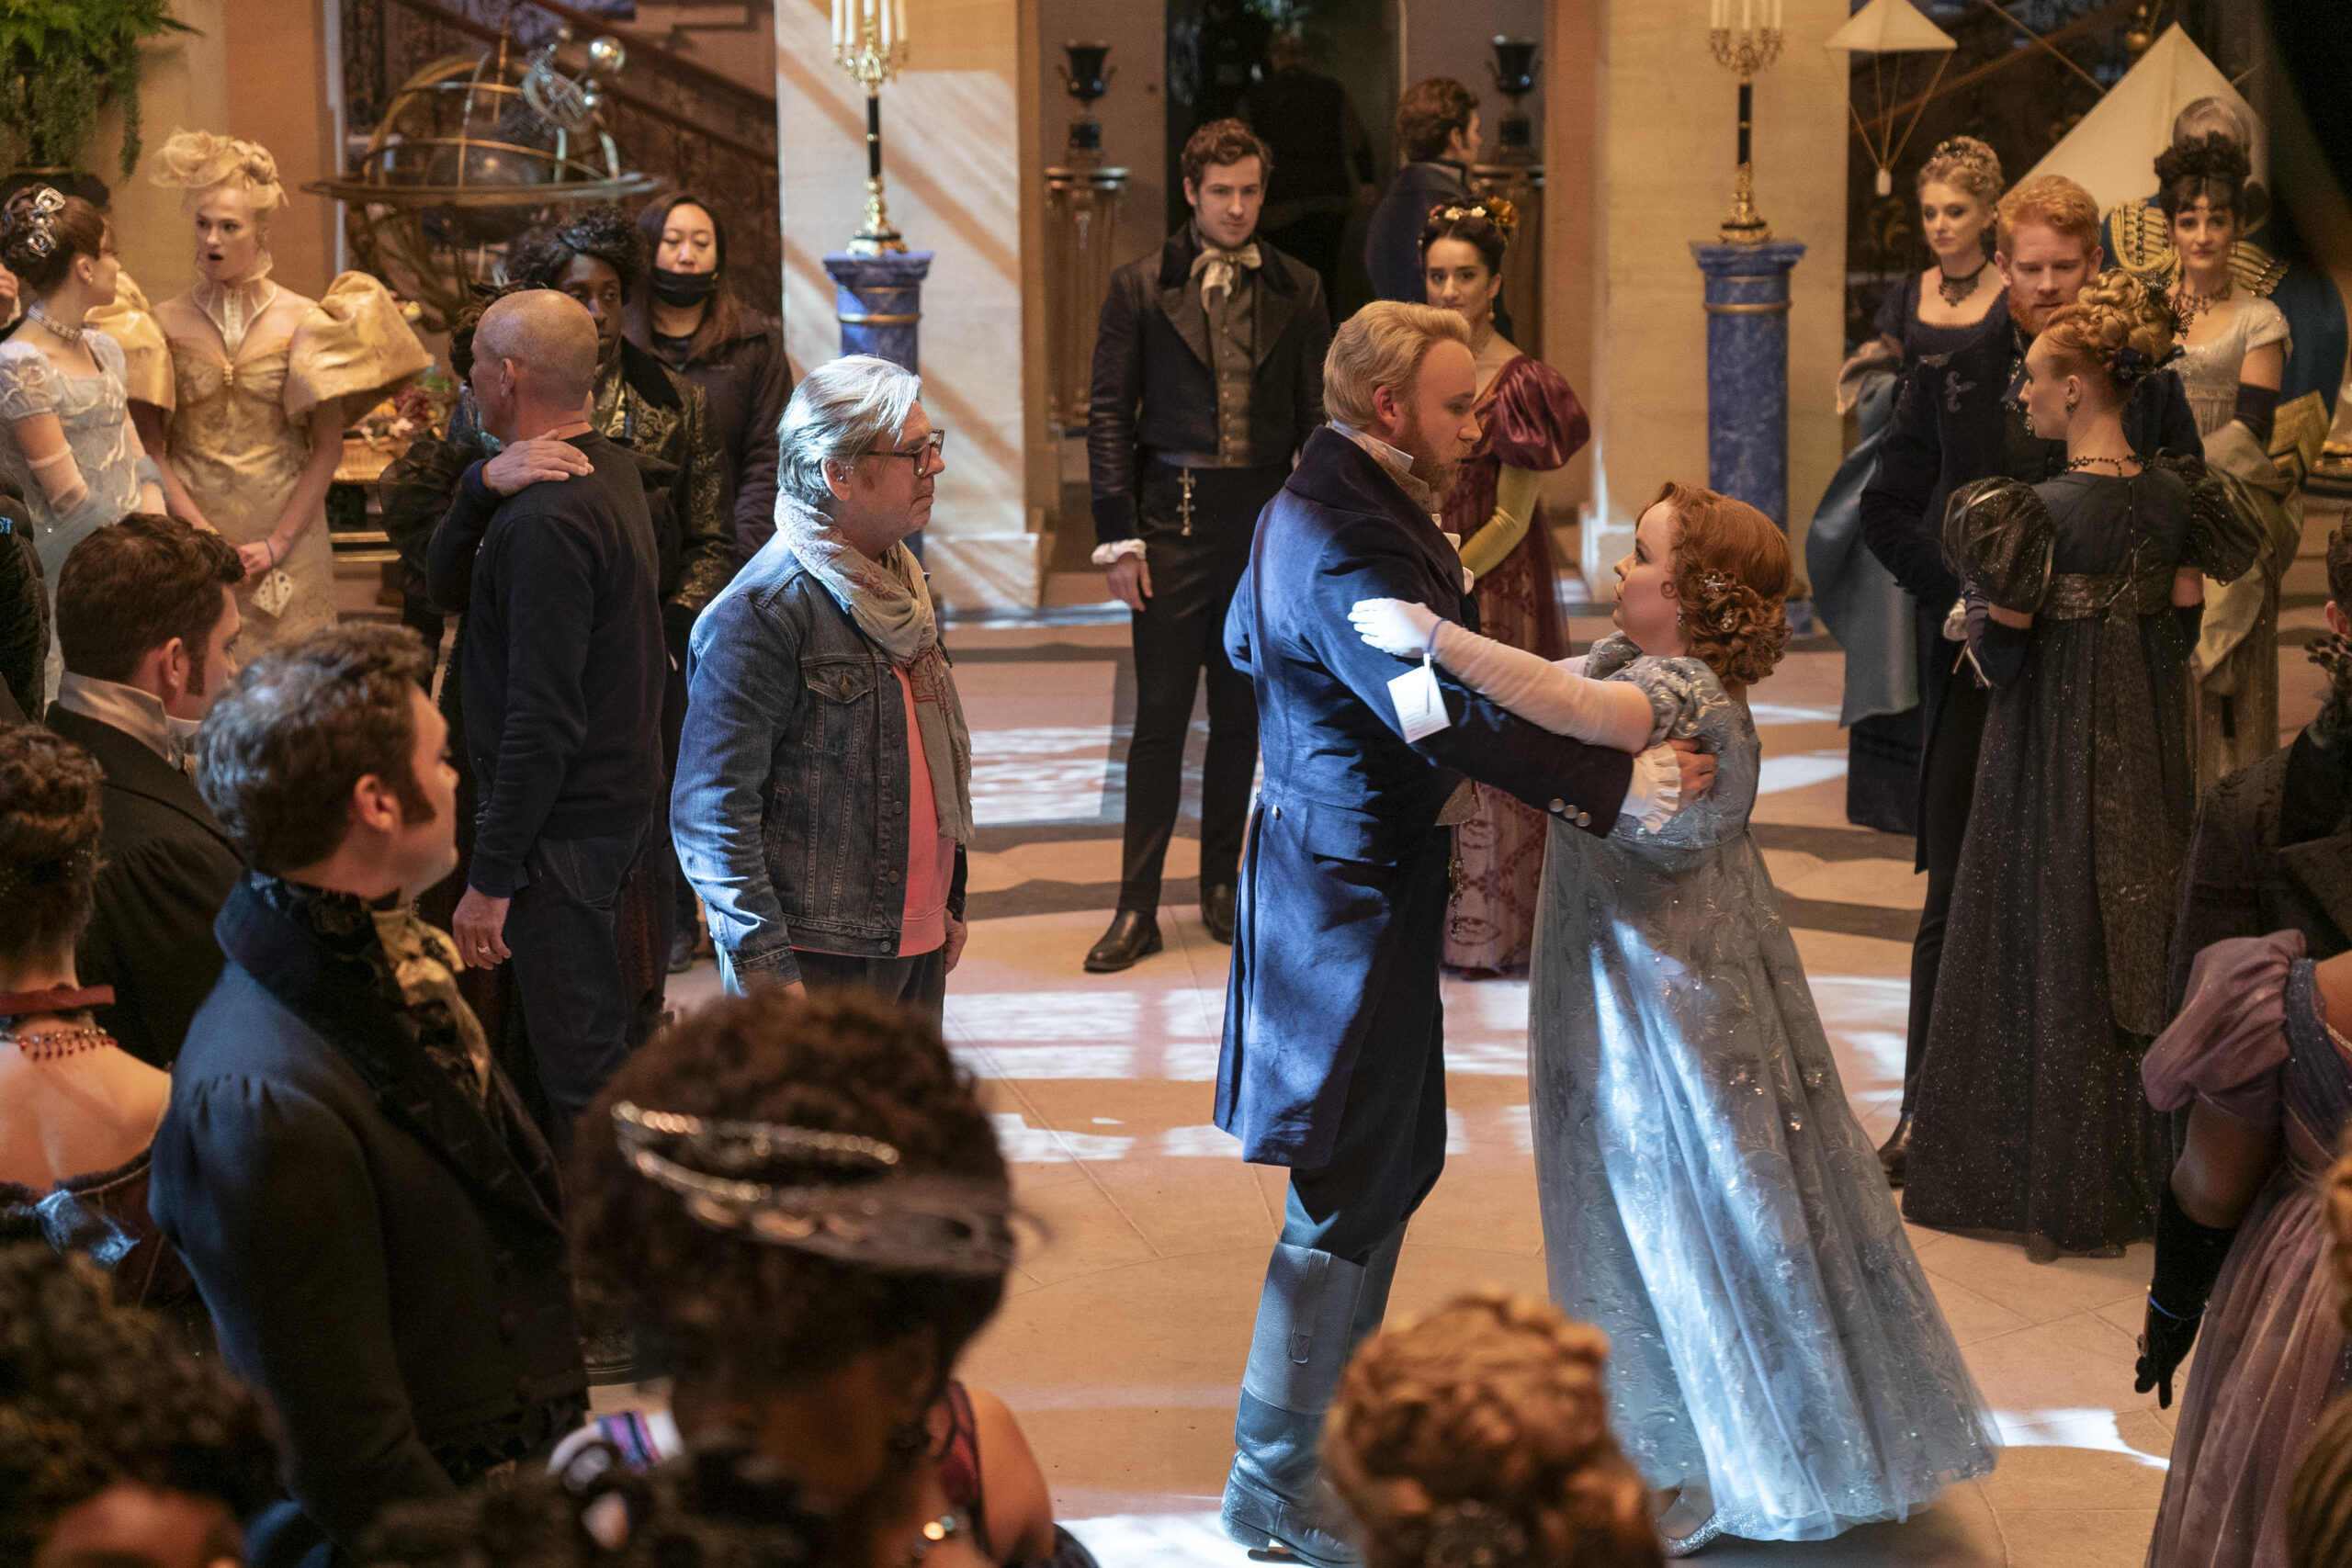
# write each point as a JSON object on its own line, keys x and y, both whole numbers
{"x": 921, "y": 982}
{"x": 562, "y": 930}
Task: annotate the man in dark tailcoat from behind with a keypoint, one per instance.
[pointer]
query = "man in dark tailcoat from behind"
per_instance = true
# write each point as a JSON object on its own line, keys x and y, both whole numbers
{"x": 1333, "y": 1060}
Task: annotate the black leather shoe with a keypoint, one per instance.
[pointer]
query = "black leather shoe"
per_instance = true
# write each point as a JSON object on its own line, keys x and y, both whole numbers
{"x": 1216, "y": 911}
{"x": 1895, "y": 1152}
{"x": 1132, "y": 935}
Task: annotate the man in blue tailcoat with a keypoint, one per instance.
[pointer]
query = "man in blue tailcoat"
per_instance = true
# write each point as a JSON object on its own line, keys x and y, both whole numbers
{"x": 1333, "y": 1062}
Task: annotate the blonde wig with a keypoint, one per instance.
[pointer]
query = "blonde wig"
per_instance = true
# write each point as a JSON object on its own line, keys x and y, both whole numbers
{"x": 198, "y": 162}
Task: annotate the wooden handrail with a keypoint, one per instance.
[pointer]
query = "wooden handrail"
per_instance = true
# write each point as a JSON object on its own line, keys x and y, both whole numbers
{"x": 2111, "y": 11}
{"x": 488, "y": 34}
{"x": 662, "y": 60}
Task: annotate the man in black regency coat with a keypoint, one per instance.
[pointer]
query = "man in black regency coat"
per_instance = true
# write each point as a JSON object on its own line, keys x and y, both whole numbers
{"x": 374, "y": 1221}
{"x": 1959, "y": 418}
{"x": 148, "y": 623}
{"x": 1208, "y": 376}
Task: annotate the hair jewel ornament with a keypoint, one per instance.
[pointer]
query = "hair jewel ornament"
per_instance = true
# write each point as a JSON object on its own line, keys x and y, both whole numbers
{"x": 1472, "y": 1534}
{"x": 34, "y": 213}
{"x": 1493, "y": 208}
{"x": 27, "y": 872}
{"x": 865, "y": 1211}
{"x": 2132, "y": 364}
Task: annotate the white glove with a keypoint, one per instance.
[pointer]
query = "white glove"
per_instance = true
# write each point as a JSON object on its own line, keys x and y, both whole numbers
{"x": 1655, "y": 793}
{"x": 1615, "y": 714}
{"x": 1394, "y": 627}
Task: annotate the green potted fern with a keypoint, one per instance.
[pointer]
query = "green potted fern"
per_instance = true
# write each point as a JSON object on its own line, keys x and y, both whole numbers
{"x": 60, "y": 63}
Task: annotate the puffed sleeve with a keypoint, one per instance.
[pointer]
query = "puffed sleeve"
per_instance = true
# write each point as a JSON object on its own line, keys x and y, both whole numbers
{"x": 2231, "y": 1037}
{"x": 2265, "y": 324}
{"x": 352, "y": 345}
{"x": 1676, "y": 687}
{"x": 1535, "y": 420}
{"x": 2222, "y": 541}
{"x": 131, "y": 321}
{"x": 28, "y": 383}
{"x": 1998, "y": 538}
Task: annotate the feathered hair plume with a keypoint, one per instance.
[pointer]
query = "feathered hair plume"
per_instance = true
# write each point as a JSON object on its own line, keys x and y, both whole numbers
{"x": 199, "y": 161}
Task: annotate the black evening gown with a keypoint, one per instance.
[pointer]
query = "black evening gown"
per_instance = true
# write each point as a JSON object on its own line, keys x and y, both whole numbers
{"x": 2031, "y": 1119}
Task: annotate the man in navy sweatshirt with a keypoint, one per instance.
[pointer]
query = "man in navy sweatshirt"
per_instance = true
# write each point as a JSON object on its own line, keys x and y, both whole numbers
{"x": 561, "y": 685}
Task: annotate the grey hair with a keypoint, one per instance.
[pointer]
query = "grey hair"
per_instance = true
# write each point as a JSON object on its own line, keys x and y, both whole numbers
{"x": 841, "y": 409}
{"x": 2208, "y": 114}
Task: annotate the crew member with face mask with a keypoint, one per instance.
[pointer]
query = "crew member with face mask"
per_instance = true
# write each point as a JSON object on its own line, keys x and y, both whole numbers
{"x": 689, "y": 317}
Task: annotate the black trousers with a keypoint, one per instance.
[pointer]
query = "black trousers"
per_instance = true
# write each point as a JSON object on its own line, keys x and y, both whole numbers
{"x": 1947, "y": 788}
{"x": 1196, "y": 553}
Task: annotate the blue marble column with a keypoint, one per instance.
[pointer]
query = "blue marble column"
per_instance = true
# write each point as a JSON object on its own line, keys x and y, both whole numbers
{"x": 1747, "y": 371}
{"x": 879, "y": 300}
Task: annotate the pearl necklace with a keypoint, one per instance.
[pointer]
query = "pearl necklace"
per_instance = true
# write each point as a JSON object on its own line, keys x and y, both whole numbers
{"x": 37, "y": 313}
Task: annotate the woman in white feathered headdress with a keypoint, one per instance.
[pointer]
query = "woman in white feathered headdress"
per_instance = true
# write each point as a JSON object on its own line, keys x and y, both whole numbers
{"x": 246, "y": 385}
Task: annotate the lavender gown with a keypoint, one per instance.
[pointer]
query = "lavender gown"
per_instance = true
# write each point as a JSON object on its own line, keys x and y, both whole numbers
{"x": 1709, "y": 1200}
{"x": 2253, "y": 1041}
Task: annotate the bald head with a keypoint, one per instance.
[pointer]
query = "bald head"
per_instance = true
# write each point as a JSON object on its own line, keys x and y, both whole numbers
{"x": 538, "y": 352}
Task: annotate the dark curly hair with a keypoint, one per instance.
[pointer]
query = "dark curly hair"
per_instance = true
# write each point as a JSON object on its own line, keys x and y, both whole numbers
{"x": 98, "y": 1393}
{"x": 49, "y": 840}
{"x": 1479, "y": 1434}
{"x": 127, "y": 590}
{"x": 303, "y": 724}
{"x": 541, "y": 257}
{"x": 728, "y": 1311}
{"x": 461, "y": 328}
{"x": 41, "y": 248}
{"x": 1487, "y": 222}
{"x": 1730, "y": 577}
{"x": 2213, "y": 166}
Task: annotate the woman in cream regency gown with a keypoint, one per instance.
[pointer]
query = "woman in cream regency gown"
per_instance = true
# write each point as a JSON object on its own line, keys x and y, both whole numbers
{"x": 245, "y": 386}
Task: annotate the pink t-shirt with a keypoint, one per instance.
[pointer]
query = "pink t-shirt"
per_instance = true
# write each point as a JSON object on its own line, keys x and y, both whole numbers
{"x": 931, "y": 855}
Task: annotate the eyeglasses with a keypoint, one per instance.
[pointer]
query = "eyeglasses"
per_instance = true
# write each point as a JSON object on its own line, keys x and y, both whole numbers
{"x": 929, "y": 458}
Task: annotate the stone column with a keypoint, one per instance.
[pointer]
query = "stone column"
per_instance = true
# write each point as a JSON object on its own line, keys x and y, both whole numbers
{"x": 1747, "y": 371}
{"x": 878, "y": 301}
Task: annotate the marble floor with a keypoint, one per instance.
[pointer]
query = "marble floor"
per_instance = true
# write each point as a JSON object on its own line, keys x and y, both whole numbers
{"x": 1128, "y": 1319}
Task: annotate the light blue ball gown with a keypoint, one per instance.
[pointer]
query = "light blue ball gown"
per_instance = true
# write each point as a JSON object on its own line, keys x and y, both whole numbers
{"x": 1709, "y": 1198}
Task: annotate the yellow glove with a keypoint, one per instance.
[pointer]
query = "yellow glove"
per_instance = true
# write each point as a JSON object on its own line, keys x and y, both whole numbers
{"x": 1514, "y": 509}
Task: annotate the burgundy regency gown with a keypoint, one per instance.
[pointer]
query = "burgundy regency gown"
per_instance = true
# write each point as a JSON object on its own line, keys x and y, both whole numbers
{"x": 1528, "y": 419}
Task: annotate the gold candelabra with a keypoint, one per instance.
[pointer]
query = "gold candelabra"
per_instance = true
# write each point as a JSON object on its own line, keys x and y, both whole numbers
{"x": 870, "y": 43}
{"x": 1745, "y": 50}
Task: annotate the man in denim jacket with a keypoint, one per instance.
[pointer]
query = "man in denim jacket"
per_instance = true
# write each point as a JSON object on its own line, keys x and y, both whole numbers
{"x": 823, "y": 799}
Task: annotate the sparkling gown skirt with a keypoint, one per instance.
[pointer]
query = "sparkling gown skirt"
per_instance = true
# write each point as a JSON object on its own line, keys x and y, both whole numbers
{"x": 1711, "y": 1202}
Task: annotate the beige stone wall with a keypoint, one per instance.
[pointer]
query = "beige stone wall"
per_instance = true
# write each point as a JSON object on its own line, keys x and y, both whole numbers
{"x": 185, "y": 83}
{"x": 960, "y": 161}
{"x": 1658, "y": 141}
{"x": 1133, "y": 112}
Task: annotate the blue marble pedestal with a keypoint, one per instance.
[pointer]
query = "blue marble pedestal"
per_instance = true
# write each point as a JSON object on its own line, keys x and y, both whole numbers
{"x": 1747, "y": 371}
{"x": 878, "y": 301}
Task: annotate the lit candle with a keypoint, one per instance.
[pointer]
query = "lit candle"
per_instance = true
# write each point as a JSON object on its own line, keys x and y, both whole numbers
{"x": 898, "y": 30}
{"x": 1747, "y": 14}
{"x": 1776, "y": 15}
{"x": 840, "y": 23}
{"x": 882, "y": 19}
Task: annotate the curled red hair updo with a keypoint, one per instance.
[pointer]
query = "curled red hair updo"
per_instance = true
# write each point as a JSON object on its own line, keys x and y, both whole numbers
{"x": 1479, "y": 1433}
{"x": 1730, "y": 577}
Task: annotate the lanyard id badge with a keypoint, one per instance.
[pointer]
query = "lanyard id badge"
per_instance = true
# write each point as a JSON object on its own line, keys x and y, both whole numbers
{"x": 1420, "y": 706}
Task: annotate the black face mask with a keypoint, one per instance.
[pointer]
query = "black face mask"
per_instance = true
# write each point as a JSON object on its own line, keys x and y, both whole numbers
{"x": 684, "y": 288}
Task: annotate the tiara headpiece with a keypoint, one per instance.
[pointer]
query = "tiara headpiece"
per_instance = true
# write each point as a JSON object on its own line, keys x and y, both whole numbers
{"x": 36, "y": 212}
{"x": 872, "y": 1214}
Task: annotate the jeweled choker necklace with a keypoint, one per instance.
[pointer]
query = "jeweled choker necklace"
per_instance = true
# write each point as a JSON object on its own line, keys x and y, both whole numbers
{"x": 37, "y": 313}
{"x": 1955, "y": 289}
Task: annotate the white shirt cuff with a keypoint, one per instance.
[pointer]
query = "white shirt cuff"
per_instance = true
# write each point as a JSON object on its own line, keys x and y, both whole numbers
{"x": 1106, "y": 555}
{"x": 1656, "y": 794}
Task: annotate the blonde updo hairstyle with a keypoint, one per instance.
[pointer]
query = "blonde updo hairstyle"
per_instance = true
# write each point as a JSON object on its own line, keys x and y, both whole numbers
{"x": 1731, "y": 578}
{"x": 1967, "y": 165}
{"x": 2117, "y": 328}
{"x": 200, "y": 162}
{"x": 1479, "y": 1435}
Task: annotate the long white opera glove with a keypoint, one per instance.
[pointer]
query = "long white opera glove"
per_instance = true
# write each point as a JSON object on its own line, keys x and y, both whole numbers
{"x": 1616, "y": 713}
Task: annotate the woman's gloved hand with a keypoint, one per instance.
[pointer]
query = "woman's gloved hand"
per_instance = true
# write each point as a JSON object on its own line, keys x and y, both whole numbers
{"x": 1394, "y": 627}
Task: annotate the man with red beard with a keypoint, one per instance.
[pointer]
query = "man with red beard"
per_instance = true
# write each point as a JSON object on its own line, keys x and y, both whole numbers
{"x": 1959, "y": 417}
